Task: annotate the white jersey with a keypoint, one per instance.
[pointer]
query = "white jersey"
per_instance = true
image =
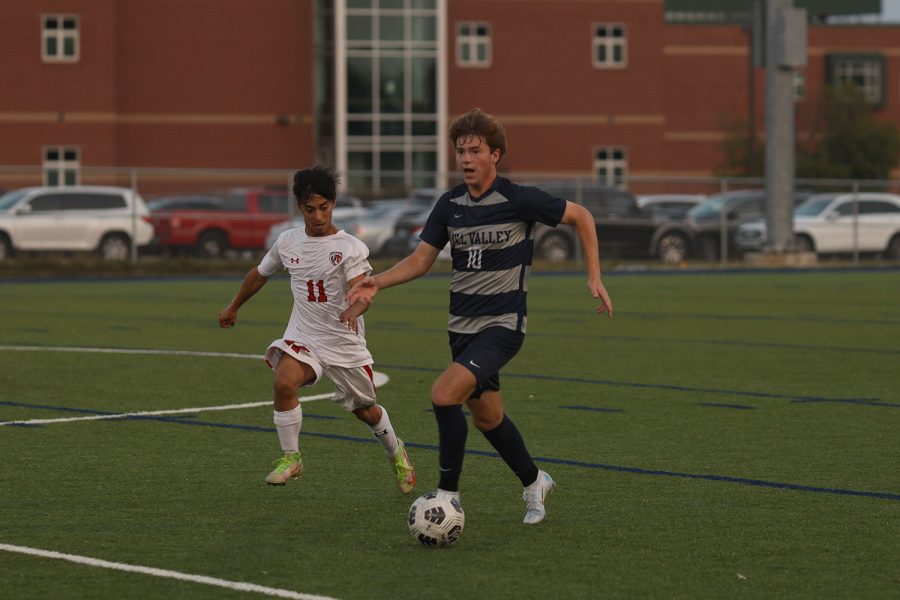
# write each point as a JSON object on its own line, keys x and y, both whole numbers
{"x": 320, "y": 268}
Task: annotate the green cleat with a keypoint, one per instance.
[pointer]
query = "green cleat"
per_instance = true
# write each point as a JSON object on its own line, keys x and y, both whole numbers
{"x": 286, "y": 467}
{"x": 403, "y": 469}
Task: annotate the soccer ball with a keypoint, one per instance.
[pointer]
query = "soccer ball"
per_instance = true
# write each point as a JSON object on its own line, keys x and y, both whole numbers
{"x": 436, "y": 520}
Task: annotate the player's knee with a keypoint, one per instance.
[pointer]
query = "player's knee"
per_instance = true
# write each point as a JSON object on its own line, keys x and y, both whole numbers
{"x": 443, "y": 396}
{"x": 284, "y": 389}
{"x": 487, "y": 420}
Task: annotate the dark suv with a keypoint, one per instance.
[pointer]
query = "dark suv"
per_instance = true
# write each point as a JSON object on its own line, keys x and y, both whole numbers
{"x": 705, "y": 221}
{"x": 624, "y": 230}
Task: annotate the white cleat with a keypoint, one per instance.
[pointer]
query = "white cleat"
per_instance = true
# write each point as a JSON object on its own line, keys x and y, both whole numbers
{"x": 534, "y": 496}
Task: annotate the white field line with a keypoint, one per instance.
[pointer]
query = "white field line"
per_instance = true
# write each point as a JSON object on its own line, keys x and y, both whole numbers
{"x": 165, "y": 573}
{"x": 379, "y": 378}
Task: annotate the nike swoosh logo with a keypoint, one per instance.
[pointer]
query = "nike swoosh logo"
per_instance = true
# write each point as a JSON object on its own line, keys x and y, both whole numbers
{"x": 456, "y": 216}
{"x": 471, "y": 362}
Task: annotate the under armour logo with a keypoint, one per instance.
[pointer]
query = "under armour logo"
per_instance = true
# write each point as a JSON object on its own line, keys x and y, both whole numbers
{"x": 295, "y": 261}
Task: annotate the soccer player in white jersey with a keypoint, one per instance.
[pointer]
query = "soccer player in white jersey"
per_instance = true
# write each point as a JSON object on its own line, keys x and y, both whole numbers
{"x": 489, "y": 223}
{"x": 324, "y": 336}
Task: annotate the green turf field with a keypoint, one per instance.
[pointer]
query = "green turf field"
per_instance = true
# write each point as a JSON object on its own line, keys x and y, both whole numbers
{"x": 723, "y": 436}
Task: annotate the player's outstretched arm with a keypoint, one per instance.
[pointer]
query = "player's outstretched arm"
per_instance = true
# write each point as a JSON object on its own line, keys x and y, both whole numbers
{"x": 583, "y": 221}
{"x": 415, "y": 265}
{"x": 252, "y": 283}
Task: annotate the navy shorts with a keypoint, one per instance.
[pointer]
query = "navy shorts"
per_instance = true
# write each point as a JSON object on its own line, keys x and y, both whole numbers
{"x": 485, "y": 353}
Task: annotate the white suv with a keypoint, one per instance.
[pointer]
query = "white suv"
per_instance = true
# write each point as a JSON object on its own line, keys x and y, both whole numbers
{"x": 77, "y": 218}
{"x": 826, "y": 224}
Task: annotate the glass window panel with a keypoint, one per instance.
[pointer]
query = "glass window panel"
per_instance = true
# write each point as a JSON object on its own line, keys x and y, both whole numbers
{"x": 52, "y": 177}
{"x": 393, "y": 170}
{"x": 424, "y": 85}
{"x": 601, "y": 31}
{"x": 617, "y": 54}
{"x": 69, "y": 23}
{"x": 426, "y": 4}
{"x": 51, "y": 46}
{"x": 392, "y": 128}
{"x": 391, "y": 28}
{"x": 359, "y": 128}
{"x": 464, "y": 29}
{"x": 391, "y": 87}
{"x": 424, "y": 166}
{"x": 618, "y": 32}
{"x": 51, "y": 23}
{"x": 359, "y": 3}
{"x": 601, "y": 54}
{"x": 359, "y": 169}
{"x": 359, "y": 84}
{"x": 465, "y": 54}
{"x": 69, "y": 47}
{"x": 396, "y": 4}
{"x": 602, "y": 154}
{"x": 424, "y": 29}
{"x": 424, "y": 128}
{"x": 52, "y": 154}
{"x": 70, "y": 154}
{"x": 482, "y": 53}
{"x": 359, "y": 27}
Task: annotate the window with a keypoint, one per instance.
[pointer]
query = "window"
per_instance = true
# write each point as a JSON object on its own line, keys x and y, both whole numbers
{"x": 611, "y": 165}
{"x": 61, "y": 166}
{"x": 473, "y": 44}
{"x": 60, "y": 38}
{"x": 865, "y": 71}
{"x": 610, "y": 46}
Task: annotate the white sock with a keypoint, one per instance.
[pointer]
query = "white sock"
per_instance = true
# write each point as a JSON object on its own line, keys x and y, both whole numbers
{"x": 384, "y": 432}
{"x": 288, "y": 425}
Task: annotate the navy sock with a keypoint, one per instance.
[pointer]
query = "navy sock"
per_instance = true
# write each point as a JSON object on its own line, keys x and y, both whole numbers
{"x": 452, "y": 432}
{"x": 508, "y": 442}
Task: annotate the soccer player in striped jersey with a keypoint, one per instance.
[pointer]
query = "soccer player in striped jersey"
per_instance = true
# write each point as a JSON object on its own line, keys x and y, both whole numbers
{"x": 323, "y": 335}
{"x": 489, "y": 222}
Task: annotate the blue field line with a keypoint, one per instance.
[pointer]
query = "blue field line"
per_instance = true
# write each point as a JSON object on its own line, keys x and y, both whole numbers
{"x": 677, "y": 388}
{"x": 591, "y": 408}
{"x": 540, "y": 459}
{"x": 719, "y": 405}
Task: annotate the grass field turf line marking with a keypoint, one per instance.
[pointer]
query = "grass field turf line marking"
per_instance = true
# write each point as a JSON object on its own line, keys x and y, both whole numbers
{"x": 165, "y": 573}
{"x": 154, "y": 413}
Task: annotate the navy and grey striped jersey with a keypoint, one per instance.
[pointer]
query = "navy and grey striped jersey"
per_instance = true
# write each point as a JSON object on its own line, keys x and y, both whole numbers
{"x": 492, "y": 244}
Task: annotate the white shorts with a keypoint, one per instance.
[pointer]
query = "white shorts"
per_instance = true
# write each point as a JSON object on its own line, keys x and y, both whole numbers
{"x": 354, "y": 387}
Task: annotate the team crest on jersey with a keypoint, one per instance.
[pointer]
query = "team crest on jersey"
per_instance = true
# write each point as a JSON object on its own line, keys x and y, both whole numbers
{"x": 336, "y": 258}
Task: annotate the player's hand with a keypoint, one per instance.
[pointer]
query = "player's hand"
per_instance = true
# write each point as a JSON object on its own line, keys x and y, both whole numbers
{"x": 227, "y": 318}
{"x": 350, "y": 319}
{"x": 364, "y": 291}
{"x": 599, "y": 291}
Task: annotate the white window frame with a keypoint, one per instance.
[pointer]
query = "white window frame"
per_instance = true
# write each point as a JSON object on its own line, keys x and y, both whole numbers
{"x": 799, "y": 86}
{"x": 60, "y": 35}
{"x": 847, "y": 69}
{"x": 61, "y": 166}
{"x": 472, "y": 41}
{"x": 610, "y": 41}
{"x": 616, "y": 168}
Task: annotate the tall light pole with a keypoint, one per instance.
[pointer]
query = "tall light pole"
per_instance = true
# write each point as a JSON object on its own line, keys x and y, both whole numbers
{"x": 785, "y": 36}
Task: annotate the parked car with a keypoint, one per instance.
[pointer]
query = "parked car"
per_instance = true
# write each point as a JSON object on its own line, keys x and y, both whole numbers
{"x": 825, "y": 224}
{"x": 671, "y": 206}
{"x": 76, "y": 218}
{"x": 625, "y": 230}
{"x": 376, "y": 224}
{"x": 343, "y": 217}
{"x": 210, "y": 224}
{"x": 704, "y": 221}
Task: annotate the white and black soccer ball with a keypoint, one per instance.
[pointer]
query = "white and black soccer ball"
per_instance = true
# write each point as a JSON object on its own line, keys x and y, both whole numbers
{"x": 436, "y": 520}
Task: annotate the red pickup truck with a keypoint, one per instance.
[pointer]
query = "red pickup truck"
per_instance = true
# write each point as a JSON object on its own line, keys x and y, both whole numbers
{"x": 210, "y": 224}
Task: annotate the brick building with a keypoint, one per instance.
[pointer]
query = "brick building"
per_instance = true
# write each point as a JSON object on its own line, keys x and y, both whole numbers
{"x": 591, "y": 88}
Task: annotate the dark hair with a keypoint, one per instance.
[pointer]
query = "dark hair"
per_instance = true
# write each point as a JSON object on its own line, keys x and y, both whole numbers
{"x": 318, "y": 180}
{"x": 478, "y": 123}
